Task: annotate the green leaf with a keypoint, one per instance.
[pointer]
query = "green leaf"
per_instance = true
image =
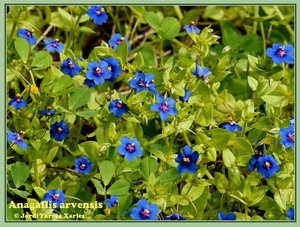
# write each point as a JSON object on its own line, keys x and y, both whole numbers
{"x": 244, "y": 146}
{"x": 22, "y": 48}
{"x": 124, "y": 203}
{"x": 122, "y": 51}
{"x": 251, "y": 43}
{"x": 87, "y": 30}
{"x": 87, "y": 113}
{"x": 40, "y": 192}
{"x": 67, "y": 18}
{"x": 55, "y": 184}
{"x": 221, "y": 182}
{"x": 107, "y": 169}
{"x": 228, "y": 158}
{"x": 79, "y": 98}
{"x": 42, "y": 59}
{"x": 170, "y": 28}
{"x": 19, "y": 173}
{"x": 120, "y": 187}
{"x": 252, "y": 83}
{"x": 23, "y": 194}
{"x": 204, "y": 115}
{"x": 256, "y": 195}
{"x": 152, "y": 20}
{"x": 13, "y": 213}
{"x": 63, "y": 82}
{"x": 157, "y": 153}
{"x": 148, "y": 165}
{"x": 231, "y": 36}
{"x": 170, "y": 175}
{"x": 98, "y": 186}
{"x": 279, "y": 199}
{"x": 262, "y": 124}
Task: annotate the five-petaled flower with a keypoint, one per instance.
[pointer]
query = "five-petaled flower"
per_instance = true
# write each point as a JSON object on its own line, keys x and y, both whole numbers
{"x": 291, "y": 213}
{"x": 164, "y": 107}
{"x": 191, "y": 27}
{"x": 223, "y": 216}
{"x": 187, "y": 160}
{"x": 116, "y": 40}
{"x": 288, "y": 136}
{"x": 280, "y": 53}
{"x": 113, "y": 67}
{"x": 267, "y": 165}
{"x": 231, "y": 126}
{"x": 175, "y": 217}
{"x": 54, "y": 45}
{"x": 28, "y": 35}
{"x": 56, "y": 197}
{"x": 59, "y": 130}
{"x": 18, "y": 102}
{"x": 130, "y": 148}
{"x": 259, "y": 152}
{"x": 70, "y": 68}
{"x": 98, "y": 72}
{"x": 17, "y": 138}
{"x": 187, "y": 95}
{"x": 202, "y": 72}
{"x": 144, "y": 211}
{"x": 143, "y": 82}
{"x": 113, "y": 201}
{"x": 47, "y": 112}
{"x": 83, "y": 165}
{"x": 98, "y": 14}
{"x": 118, "y": 107}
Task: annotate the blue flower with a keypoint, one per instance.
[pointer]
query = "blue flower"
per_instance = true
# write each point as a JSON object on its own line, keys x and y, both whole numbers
{"x": 130, "y": 148}
{"x": 18, "y": 102}
{"x": 280, "y": 53}
{"x": 144, "y": 211}
{"x": 118, "y": 107}
{"x": 89, "y": 83}
{"x": 143, "y": 82}
{"x": 203, "y": 72}
{"x": 291, "y": 213}
{"x": 187, "y": 160}
{"x": 17, "y": 138}
{"x": 288, "y": 136}
{"x": 231, "y": 126}
{"x": 191, "y": 27}
{"x": 187, "y": 95}
{"x": 56, "y": 197}
{"x": 27, "y": 34}
{"x": 83, "y": 165}
{"x": 164, "y": 107}
{"x": 98, "y": 14}
{"x": 175, "y": 217}
{"x": 59, "y": 130}
{"x": 259, "y": 150}
{"x": 116, "y": 40}
{"x": 70, "y": 68}
{"x": 113, "y": 201}
{"x": 98, "y": 72}
{"x": 223, "y": 216}
{"x": 47, "y": 112}
{"x": 54, "y": 45}
{"x": 113, "y": 67}
{"x": 267, "y": 165}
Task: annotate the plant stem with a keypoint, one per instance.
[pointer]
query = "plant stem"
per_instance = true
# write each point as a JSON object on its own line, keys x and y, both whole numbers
{"x": 261, "y": 26}
{"x": 256, "y": 14}
{"x": 161, "y": 53}
{"x": 178, "y": 12}
{"x": 207, "y": 173}
{"x": 42, "y": 36}
{"x": 163, "y": 127}
{"x": 286, "y": 26}
{"x": 186, "y": 138}
{"x": 35, "y": 167}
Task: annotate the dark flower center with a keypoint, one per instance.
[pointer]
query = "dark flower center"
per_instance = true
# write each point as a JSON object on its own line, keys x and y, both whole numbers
{"x": 259, "y": 153}
{"x": 99, "y": 12}
{"x": 176, "y": 217}
{"x": 115, "y": 204}
{"x": 164, "y": 107}
{"x": 130, "y": 147}
{"x": 29, "y": 33}
{"x": 18, "y": 99}
{"x": 148, "y": 84}
{"x": 267, "y": 165}
{"x": 82, "y": 166}
{"x": 59, "y": 130}
{"x": 98, "y": 71}
{"x": 119, "y": 41}
{"x": 55, "y": 197}
{"x": 281, "y": 52}
{"x": 187, "y": 159}
{"x": 291, "y": 137}
{"x": 141, "y": 83}
{"x": 19, "y": 138}
{"x": 145, "y": 213}
{"x": 71, "y": 65}
{"x": 54, "y": 44}
{"x": 119, "y": 104}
